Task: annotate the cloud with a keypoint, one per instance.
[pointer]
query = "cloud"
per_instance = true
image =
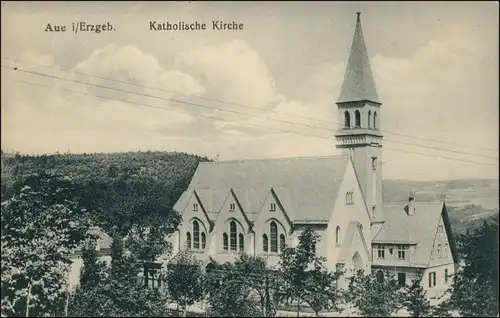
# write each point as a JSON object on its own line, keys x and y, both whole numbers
{"x": 233, "y": 70}
{"x": 432, "y": 95}
{"x": 441, "y": 91}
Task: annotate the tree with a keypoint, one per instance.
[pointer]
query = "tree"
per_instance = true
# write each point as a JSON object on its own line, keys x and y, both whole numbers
{"x": 295, "y": 262}
{"x": 185, "y": 280}
{"x": 40, "y": 229}
{"x": 118, "y": 292}
{"x": 93, "y": 269}
{"x": 321, "y": 292}
{"x": 475, "y": 285}
{"x": 261, "y": 281}
{"x": 375, "y": 297}
{"x": 229, "y": 295}
{"x": 415, "y": 301}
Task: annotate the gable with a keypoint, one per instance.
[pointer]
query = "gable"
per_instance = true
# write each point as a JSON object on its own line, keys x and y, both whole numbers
{"x": 194, "y": 209}
{"x": 232, "y": 209}
{"x": 443, "y": 252}
{"x": 449, "y": 233}
{"x": 353, "y": 240}
{"x": 273, "y": 208}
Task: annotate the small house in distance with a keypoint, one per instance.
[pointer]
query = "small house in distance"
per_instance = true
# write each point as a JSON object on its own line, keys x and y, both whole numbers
{"x": 103, "y": 248}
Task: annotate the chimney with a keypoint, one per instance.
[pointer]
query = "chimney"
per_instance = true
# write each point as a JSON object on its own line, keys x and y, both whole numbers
{"x": 411, "y": 203}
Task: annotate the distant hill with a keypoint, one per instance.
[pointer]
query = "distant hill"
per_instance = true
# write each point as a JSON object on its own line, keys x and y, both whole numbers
{"x": 459, "y": 192}
{"x": 469, "y": 201}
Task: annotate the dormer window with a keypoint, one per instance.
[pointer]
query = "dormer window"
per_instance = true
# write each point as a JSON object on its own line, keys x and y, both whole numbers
{"x": 349, "y": 198}
{"x": 440, "y": 229}
{"x": 232, "y": 207}
{"x": 273, "y": 207}
{"x": 195, "y": 206}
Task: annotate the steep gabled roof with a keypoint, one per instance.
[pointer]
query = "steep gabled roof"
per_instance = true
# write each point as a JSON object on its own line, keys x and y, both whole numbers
{"x": 358, "y": 82}
{"x": 306, "y": 187}
{"x": 419, "y": 228}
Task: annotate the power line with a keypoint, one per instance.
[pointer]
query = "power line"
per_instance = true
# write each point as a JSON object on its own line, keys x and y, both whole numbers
{"x": 230, "y": 111}
{"x": 254, "y": 108}
{"x": 162, "y": 98}
{"x": 225, "y": 120}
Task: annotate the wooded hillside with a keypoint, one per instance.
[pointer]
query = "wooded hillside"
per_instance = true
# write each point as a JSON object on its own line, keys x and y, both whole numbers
{"x": 119, "y": 189}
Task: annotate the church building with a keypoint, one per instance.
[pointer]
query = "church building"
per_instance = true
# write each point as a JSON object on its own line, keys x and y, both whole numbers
{"x": 260, "y": 206}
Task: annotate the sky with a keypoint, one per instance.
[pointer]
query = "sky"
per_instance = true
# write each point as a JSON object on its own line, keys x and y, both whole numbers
{"x": 267, "y": 91}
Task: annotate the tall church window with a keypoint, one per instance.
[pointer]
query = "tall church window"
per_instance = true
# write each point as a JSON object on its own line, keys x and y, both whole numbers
{"x": 232, "y": 234}
{"x": 282, "y": 242}
{"x": 188, "y": 240}
{"x": 375, "y": 120}
{"x": 274, "y": 237}
{"x": 241, "y": 242}
{"x": 369, "y": 118}
{"x": 224, "y": 241}
{"x": 265, "y": 243}
{"x": 203, "y": 240}
{"x": 196, "y": 235}
{"x": 347, "y": 119}
{"x": 357, "y": 118}
{"x": 337, "y": 235}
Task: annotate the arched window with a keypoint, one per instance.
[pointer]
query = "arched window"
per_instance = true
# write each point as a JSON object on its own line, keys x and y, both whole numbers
{"x": 337, "y": 235}
{"x": 282, "y": 242}
{"x": 203, "y": 240}
{"x": 196, "y": 235}
{"x": 274, "y": 237}
{"x": 357, "y": 118}
{"x": 224, "y": 241}
{"x": 241, "y": 242}
{"x": 347, "y": 119}
{"x": 232, "y": 235}
{"x": 188, "y": 240}
{"x": 375, "y": 120}
{"x": 265, "y": 243}
{"x": 369, "y": 118}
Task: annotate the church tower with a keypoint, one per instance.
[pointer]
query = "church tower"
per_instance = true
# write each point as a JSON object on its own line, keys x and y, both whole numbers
{"x": 359, "y": 109}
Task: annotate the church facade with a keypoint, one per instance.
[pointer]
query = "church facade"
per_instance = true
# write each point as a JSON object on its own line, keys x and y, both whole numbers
{"x": 261, "y": 206}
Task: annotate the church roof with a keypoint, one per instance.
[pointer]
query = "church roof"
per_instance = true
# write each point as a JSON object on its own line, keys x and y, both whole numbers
{"x": 419, "y": 229}
{"x": 305, "y": 187}
{"x": 358, "y": 80}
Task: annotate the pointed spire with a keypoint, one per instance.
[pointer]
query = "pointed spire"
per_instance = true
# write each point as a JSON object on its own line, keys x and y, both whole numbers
{"x": 358, "y": 80}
